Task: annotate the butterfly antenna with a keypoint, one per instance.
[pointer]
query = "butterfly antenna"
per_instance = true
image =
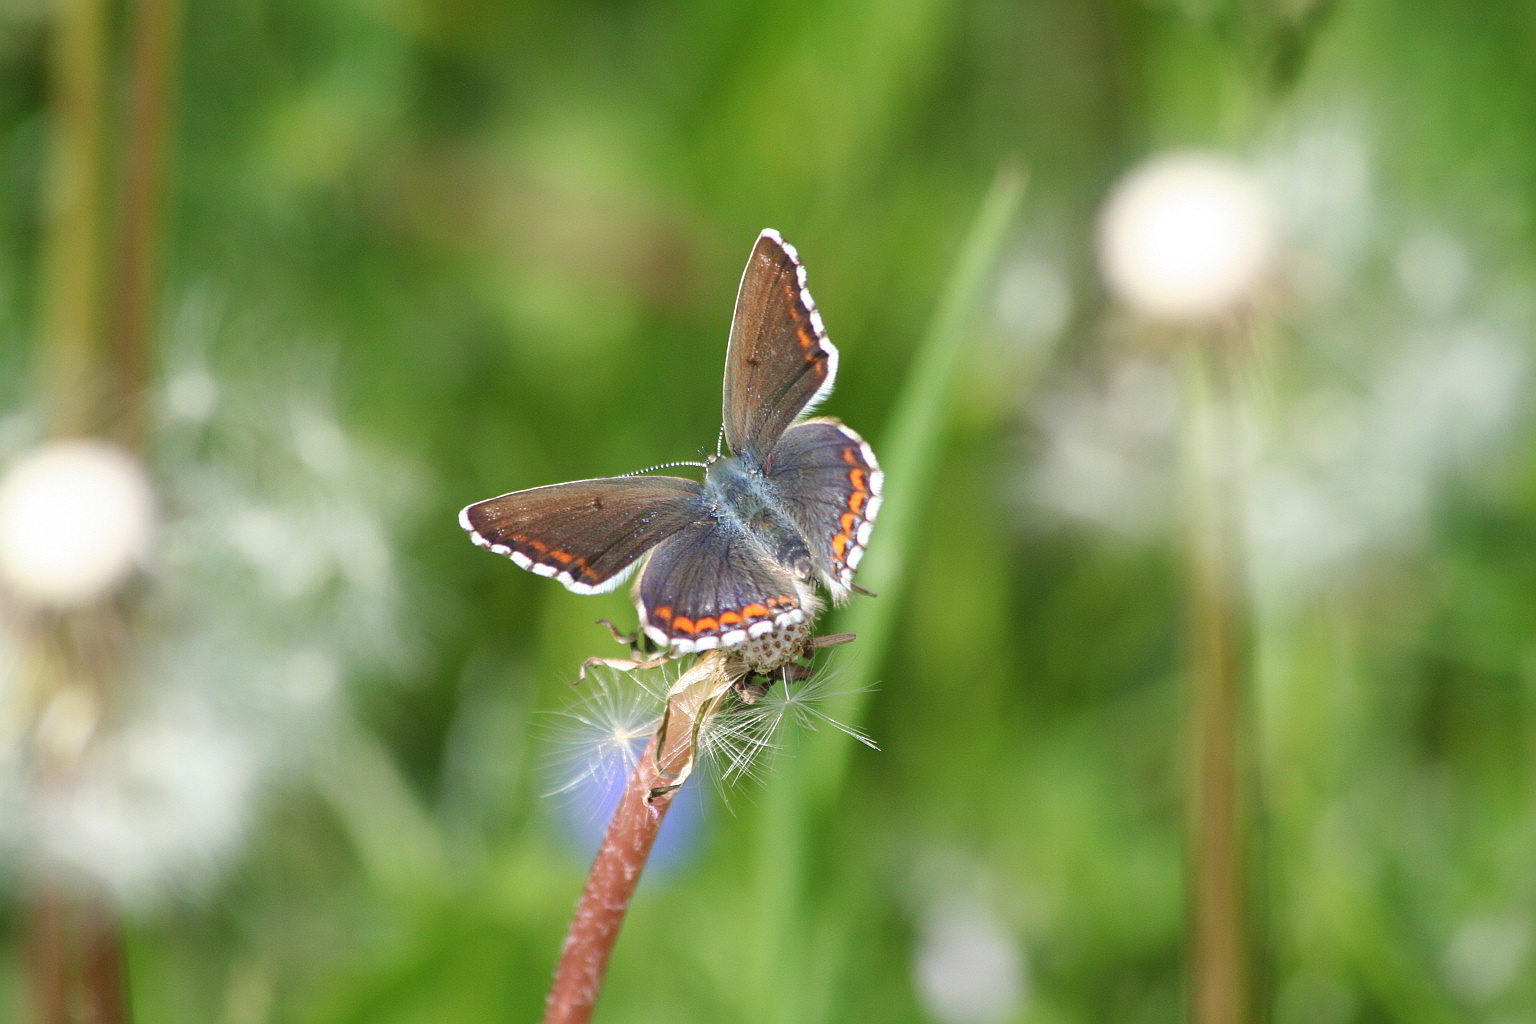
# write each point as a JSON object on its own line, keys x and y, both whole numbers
{"x": 720, "y": 442}
{"x": 665, "y": 465}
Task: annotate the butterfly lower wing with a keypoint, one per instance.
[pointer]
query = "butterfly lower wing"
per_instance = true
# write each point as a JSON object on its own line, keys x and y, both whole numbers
{"x": 710, "y": 586}
{"x": 779, "y": 362}
{"x": 826, "y": 477}
{"x": 586, "y": 534}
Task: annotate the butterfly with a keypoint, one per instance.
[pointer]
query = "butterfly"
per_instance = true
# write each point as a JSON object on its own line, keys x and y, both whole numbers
{"x": 734, "y": 561}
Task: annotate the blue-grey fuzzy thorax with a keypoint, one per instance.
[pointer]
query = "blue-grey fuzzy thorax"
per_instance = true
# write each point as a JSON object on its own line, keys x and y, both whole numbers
{"x": 742, "y": 497}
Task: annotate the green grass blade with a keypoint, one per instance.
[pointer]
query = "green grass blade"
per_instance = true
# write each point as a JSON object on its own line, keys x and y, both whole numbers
{"x": 811, "y": 774}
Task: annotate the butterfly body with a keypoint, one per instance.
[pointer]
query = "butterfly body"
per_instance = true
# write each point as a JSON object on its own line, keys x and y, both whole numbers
{"x": 744, "y": 500}
{"x": 733, "y": 561}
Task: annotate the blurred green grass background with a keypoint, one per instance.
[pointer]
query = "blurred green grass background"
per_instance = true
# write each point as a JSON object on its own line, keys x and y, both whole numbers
{"x": 416, "y": 254}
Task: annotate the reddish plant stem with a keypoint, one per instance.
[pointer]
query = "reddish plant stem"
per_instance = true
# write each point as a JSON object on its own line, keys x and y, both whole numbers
{"x": 626, "y": 846}
{"x": 47, "y": 955}
{"x": 610, "y": 887}
{"x": 75, "y": 956}
{"x": 152, "y": 86}
{"x": 104, "y": 978}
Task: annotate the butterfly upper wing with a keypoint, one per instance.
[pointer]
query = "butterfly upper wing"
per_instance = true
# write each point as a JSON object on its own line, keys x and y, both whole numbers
{"x": 587, "y": 534}
{"x": 710, "y": 586}
{"x": 827, "y": 479}
{"x": 779, "y": 362}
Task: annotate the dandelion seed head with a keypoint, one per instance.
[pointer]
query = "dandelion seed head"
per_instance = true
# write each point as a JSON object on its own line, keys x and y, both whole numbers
{"x": 593, "y": 747}
{"x": 237, "y": 662}
{"x": 1321, "y": 174}
{"x": 1033, "y": 301}
{"x": 1362, "y": 479}
{"x": 161, "y": 799}
{"x": 1106, "y": 444}
{"x": 1186, "y": 236}
{"x": 742, "y": 739}
{"x": 75, "y": 520}
{"x": 1484, "y": 957}
{"x": 191, "y": 394}
{"x": 594, "y": 744}
{"x": 1433, "y": 271}
{"x": 969, "y": 967}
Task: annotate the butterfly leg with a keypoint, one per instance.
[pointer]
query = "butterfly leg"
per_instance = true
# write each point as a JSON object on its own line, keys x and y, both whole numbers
{"x": 641, "y": 647}
{"x": 633, "y": 641}
{"x": 620, "y": 664}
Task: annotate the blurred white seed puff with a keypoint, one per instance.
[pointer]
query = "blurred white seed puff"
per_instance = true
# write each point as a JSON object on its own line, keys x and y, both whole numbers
{"x": 76, "y": 519}
{"x": 596, "y": 742}
{"x": 236, "y": 664}
{"x": 967, "y": 963}
{"x": 1186, "y": 236}
{"x": 164, "y": 798}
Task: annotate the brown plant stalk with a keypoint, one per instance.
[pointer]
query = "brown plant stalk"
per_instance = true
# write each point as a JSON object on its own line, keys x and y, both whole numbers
{"x": 663, "y": 768}
{"x": 1219, "y": 927}
{"x": 95, "y": 378}
{"x": 140, "y": 224}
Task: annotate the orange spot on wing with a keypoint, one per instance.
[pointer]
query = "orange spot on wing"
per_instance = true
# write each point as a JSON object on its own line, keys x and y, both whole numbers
{"x": 806, "y": 339}
{"x": 858, "y": 476}
{"x": 562, "y": 556}
{"x": 664, "y": 612}
{"x": 538, "y": 546}
{"x": 856, "y": 501}
{"x": 847, "y": 522}
{"x": 755, "y": 611}
{"x": 730, "y": 619}
{"x": 840, "y": 544}
{"x": 849, "y": 457}
{"x": 683, "y": 625}
{"x": 707, "y": 625}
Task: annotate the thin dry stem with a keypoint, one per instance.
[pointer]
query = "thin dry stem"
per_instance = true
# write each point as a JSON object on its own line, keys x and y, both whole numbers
{"x": 142, "y": 194}
{"x": 73, "y": 235}
{"x": 75, "y": 948}
{"x": 1220, "y": 989}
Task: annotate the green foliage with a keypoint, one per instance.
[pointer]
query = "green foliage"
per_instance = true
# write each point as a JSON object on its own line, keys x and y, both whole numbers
{"x": 496, "y": 245}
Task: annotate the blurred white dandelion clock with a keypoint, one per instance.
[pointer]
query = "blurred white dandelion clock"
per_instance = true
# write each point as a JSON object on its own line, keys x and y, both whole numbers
{"x": 161, "y": 800}
{"x": 75, "y": 520}
{"x": 1106, "y": 445}
{"x": 969, "y": 967}
{"x": 1033, "y": 300}
{"x": 1186, "y": 236}
{"x": 1484, "y": 956}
